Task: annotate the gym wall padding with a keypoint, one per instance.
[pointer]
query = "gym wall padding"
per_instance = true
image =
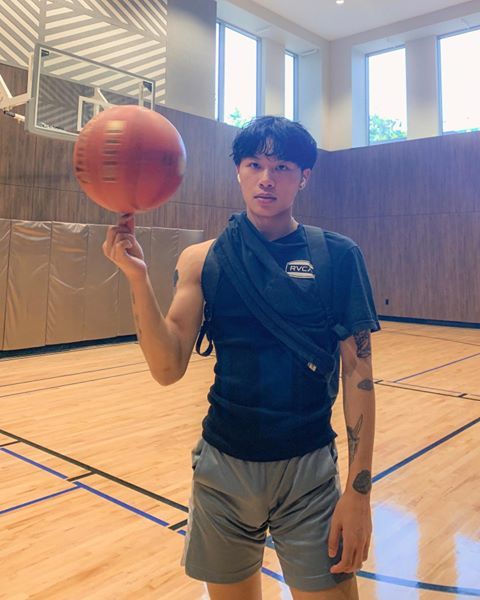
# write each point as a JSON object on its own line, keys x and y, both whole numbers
{"x": 56, "y": 286}
{"x": 27, "y": 285}
{"x": 4, "y": 256}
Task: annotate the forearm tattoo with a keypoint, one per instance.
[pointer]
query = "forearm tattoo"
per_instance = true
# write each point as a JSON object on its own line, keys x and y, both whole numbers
{"x": 354, "y": 439}
{"x": 366, "y": 385}
{"x": 175, "y": 280}
{"x": 364, "y": 346}
{"x": 363, "y": 482}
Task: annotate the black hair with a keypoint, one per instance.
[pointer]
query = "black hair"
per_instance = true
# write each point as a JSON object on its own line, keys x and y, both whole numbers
{"x": 275, "y": 136}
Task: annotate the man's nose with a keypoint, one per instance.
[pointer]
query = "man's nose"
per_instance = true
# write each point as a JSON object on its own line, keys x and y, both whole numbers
{"x": 266, "y": 179}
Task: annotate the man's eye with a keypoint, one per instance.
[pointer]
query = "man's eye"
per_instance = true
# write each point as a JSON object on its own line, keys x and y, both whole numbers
{"x": 282, "y": 167}
{"x": 254, "y": 165}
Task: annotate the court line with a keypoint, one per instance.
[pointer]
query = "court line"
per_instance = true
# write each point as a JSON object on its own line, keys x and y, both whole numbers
{"x": 366, "y": 574}
{"x": 71, "y": 374}
{"x": 437, "y": 368}
{"x": 128, "y": 507}
{"x": 57, "y": 387}
{"x": 34, "y": 463}
{"x": 176, "y": 526}
{"x": 86, "y": 467}
{"x": 446, "y": 589}
{"x": 77, "y": 477}
{"x": 422, "y": 585}
{"x": 428, "y": 337}
{"x": 142, "y": 362}
{"x": 18, "y": 506}
{"x": 8, "y": 444}
{"x": 423, "y": 451}
{"x": 427, "y": 390}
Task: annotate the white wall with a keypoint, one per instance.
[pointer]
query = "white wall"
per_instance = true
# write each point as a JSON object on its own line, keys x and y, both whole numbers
{"x": 347, "y": 98}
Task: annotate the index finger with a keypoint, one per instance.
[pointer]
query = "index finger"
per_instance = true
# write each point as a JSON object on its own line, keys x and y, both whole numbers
{"x": 127, "y": 220}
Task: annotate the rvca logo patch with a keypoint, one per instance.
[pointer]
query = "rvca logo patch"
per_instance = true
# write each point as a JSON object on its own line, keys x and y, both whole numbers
{"x": 301, "y": 269}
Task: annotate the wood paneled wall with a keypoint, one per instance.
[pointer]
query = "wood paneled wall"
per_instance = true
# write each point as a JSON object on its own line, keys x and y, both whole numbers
{"x": 413, "y": 206}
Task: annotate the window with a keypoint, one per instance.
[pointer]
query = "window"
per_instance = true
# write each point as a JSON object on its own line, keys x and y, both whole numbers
{"x": 291, "y": 62}
{"x": 460, "y": 86}
{"x": 236, "y": 75}
{"x": 387, "y": 96}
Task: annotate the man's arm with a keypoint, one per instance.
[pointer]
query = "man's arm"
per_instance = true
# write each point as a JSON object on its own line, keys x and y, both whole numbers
{"x": 166, "y": 341}
{"x": 352, "y": 519}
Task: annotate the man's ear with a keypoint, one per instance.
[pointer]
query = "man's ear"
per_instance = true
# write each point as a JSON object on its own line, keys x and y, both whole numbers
{"x": 305, "y": 178}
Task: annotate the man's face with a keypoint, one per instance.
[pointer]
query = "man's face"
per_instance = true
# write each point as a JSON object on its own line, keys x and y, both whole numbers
{"x": 269, "y": 185}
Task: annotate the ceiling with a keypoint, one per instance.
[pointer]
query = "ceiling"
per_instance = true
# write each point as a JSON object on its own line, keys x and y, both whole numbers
{"x": 331, "y": 21}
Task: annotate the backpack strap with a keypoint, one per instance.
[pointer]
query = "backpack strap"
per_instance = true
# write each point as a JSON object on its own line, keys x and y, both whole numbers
{"x": 324, "y": 276}
{"x": 210, "y": 279}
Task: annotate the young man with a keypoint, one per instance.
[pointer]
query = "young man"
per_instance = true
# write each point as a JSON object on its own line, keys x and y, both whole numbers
{"x": 283, "y": 302}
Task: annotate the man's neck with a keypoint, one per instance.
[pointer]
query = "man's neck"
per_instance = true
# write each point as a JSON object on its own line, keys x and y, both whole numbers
{"x": 274, "y": 228}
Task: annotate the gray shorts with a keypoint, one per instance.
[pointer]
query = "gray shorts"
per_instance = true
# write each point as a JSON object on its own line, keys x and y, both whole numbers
{"x": 234, "y": 502}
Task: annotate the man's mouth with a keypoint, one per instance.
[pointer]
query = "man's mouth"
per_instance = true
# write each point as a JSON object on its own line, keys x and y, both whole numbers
{"x": 265, "y": 197}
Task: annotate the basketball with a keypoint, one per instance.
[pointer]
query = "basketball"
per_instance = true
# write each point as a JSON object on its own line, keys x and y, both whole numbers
{"x": 129, "y": 159}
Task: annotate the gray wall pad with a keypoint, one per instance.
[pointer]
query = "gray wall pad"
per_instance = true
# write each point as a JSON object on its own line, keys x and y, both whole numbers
{"x": 4, "y": 254}
{"x": 27, "y": 286}
{"x": 56, "y": 286}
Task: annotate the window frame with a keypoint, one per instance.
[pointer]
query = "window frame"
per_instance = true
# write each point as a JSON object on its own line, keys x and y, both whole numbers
{"x": 220, "y": 66}
{"x": 295, "y": 82}
{"x": 440, "y": 79}
{"x": 367, "y": 97}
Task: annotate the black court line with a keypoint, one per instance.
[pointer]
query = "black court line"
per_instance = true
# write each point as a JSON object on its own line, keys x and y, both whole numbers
{"x": 8, "y": 444}
{"x": 76, "y": 382}
{"x": 63, "y": 385}
{"x": 429, "y": 337}
{"x": 426, "y": 390}
{"x": 453, "y": 362}
{"x": 142, "y": 362}
{"x": 80, "y": 476}
{"x": 108, "y": 476}
{"x": 178, "y": 525}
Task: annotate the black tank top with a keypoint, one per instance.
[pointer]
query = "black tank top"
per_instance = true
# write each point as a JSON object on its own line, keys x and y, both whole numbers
{"x": 264, "y": 404}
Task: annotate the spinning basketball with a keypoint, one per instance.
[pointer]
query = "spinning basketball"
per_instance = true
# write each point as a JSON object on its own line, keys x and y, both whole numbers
{"x": 129, "y": 159}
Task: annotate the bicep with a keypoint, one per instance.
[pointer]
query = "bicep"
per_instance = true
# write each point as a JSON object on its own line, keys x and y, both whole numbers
{"x": 186, "y": 310}
{"x": 356, "y": 354}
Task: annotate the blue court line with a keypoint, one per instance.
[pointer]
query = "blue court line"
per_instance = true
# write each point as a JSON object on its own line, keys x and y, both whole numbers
{"x": 34, "y": 463}
{"x": 272, "y": 574}
{"x": 18, "y": 506}
{"x": 409, "y": 459}
{"x": 422, "y": 585}
{"x": 377, "y": 577}
{"x": 129, "y": 507}
{"x": 437, "y": 368}
{"x": 411, "y": 583}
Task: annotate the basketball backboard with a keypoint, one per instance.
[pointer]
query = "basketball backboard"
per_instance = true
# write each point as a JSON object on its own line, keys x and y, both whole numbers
{"x": 66, "y": 91}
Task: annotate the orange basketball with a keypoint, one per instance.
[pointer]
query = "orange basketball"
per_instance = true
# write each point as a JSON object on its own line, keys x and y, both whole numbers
{"x": 129, "y": 159}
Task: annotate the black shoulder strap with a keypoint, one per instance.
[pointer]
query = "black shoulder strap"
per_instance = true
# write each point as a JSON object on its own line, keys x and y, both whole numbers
{"x": 210, "y": 279}
{"x": 324, "y": 275}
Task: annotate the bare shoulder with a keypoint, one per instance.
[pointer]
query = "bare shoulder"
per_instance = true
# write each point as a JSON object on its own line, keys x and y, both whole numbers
{"x": 191, "y": 260}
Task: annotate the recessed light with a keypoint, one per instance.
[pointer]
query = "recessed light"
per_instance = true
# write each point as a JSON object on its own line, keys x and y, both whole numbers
{"x": 339, "y": 1}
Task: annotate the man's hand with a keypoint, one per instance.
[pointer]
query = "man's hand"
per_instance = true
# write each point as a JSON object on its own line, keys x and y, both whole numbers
{"x": 122, "y": 248}
{"x": 352, "y": 522}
